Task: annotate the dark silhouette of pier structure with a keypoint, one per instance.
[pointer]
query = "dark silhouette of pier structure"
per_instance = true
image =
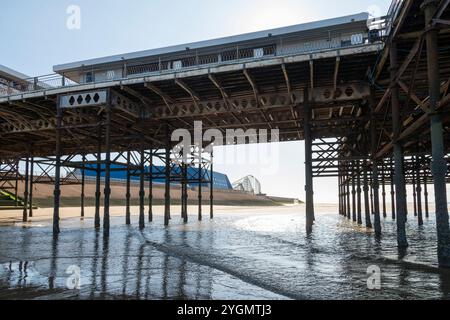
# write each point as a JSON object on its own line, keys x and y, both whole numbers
{"x": 370, "y": 98}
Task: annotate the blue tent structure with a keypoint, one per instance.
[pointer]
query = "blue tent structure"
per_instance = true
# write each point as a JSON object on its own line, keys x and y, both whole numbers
{"x": 119, "y": 173}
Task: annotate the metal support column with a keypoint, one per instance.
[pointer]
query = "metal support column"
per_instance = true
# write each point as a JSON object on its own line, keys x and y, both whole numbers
{"x": 414, "y": 186}
{"x": 30, "y": 214}
{"x": 150, "y": 186}
{"x": 57, "y": 191}
{"x": 349, "y": 194}
{"x": 26, "y": 190}
{"x": 142, "y": 188}
{"x": 167, "y": 182}
{"x": 367, "y": 197}
{"x": 184, "y": 192}
{"x": 425, "y": 186}
{"x": 439, "y": 165}
{"x": 419, "y": 192}
{"x": 16, "y": 186}
{"x": 358, "y": 192}
{"x": 98, "y": 179}
{"x": 128, "y": 191}
{"x": 375, "y": 177}
{"x": 372, "y": 209}
{"x": 354, "y": 218}
{"x": 107, "y": 190}
{"x": 309, "y": 189}
{"x": 211, "y": 187}
{"x": 399, "y": 176}
{"x": 83, "y": 183}
{"x": 383, "y": 192}
{"x": 200, "y": 180}
{"x": 341, "y": 195}
{"x": 393, "y": 206}
{"x": 340, "y": 192}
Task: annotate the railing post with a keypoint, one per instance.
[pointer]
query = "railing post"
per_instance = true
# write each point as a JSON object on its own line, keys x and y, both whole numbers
{"x": 10, "y": 87}
{"x": 125, "y": 70}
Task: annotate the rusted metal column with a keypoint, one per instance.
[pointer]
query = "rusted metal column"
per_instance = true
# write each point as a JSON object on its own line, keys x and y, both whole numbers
{"x": 439, "y": 165}
{"x": 344, "y": 206}
{"x": 399, "y": 176}
{"x": 414, "y": 185}
{"x": 58, "y": 152}
{"x": 367, "y": 197}
{"x": 211, "y": 188}
{"x": 107, "y": 190}
{"x": 128, "y": 191}
{"x": 354, "y": 218}
{"x": 341, "y": 195}
{"x": 383, "y": 186}
{"x": 167, "y": 182}
{"x": 200, "y": 180}
{"x": 349, "y": 208}
{"x": 344, "y": 198}
{"x": 372, "y": 201}
{"x": 83, "y": 183}
{"x": 308, "y": 165}
{"x": 341, "y": 200}
{"x": 425, "y": 186}
{"x": 30, "y": 214}
{"x": 375, "y": 175}
{"x": 358, "y": 192}
{"x": 26, "y": 192}
{"x": 419, "y": 193}
{"x": 184, "y": 193}
{"x": 98, "y": 179}
{"x": 16, "y": 186}
{"x": 142, "y": 188}
{"x": 182, "y": 190}
{"x": 150, "y": 186}
{"x": 393, "y": 206}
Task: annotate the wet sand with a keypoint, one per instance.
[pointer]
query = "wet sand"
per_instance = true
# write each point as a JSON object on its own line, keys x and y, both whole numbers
{"x": 244, "y": 253}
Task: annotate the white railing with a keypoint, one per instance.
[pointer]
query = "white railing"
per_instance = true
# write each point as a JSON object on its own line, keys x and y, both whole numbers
{"x": 193, "y": 59}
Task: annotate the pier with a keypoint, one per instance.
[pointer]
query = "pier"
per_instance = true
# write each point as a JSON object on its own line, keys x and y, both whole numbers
{"x": 369, "y": 97}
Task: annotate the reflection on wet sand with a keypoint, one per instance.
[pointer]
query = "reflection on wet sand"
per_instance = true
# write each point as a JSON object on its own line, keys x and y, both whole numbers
{"x": 248, "y": 254}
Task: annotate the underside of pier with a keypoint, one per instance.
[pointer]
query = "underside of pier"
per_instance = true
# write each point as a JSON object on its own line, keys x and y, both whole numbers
{"x": 374, "y": 116}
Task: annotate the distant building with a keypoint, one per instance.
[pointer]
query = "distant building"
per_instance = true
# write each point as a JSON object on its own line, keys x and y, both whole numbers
{"x": 12, "y": 81}
{"x": 221, "y": 181}
{"x": 248, "y": 184}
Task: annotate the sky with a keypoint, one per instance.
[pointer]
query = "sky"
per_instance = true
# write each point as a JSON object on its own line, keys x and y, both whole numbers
{"x": 35, "y": 37}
